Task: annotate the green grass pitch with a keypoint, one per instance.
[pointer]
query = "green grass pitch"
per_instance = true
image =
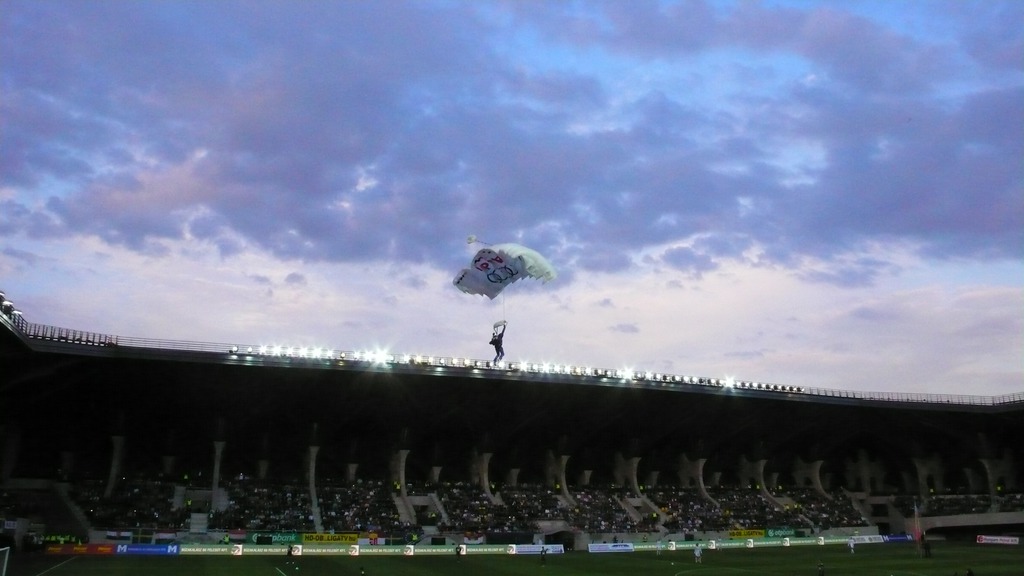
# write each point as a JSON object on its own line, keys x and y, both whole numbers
{"x": 869, "y": 560}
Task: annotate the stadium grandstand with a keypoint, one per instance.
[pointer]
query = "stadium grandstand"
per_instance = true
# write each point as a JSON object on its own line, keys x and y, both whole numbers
{"x": 108, "y": 438}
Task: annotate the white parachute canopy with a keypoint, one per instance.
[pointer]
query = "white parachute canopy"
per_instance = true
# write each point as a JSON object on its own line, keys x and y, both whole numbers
{"x": 495, "y": 267}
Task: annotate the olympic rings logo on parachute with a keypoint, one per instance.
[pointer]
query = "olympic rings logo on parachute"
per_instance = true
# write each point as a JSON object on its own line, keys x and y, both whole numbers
{"x": 502, "y": 275}
{"x": 496, "y": 268}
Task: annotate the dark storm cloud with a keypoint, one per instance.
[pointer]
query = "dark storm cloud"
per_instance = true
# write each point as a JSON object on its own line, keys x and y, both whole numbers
{"x": 358, "y": 131}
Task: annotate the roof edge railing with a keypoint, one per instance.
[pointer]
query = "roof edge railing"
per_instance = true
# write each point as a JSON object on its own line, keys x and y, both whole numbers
{"x": 29, "y": 331}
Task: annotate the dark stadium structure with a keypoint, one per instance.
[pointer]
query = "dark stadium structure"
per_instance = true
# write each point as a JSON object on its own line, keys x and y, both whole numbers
{"x": 66, "y": 395}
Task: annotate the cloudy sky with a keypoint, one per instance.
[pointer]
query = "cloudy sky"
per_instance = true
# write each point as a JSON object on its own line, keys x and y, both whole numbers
{"x": 824, "y": 194}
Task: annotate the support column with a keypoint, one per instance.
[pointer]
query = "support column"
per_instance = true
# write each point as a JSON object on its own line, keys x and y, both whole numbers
{"x": 929, "y": 468}
{"x": 809, "y": 473}
{"x": 483, "y": 471}
{"x": 625, "y": 472}
{"x": 398, "y": 461}
{"x": 563, "y": 465}
{"x": 217, "y": 502}
{"x": 691, "y": 473}
{"x": 752, "y": 471}
{"x": 314, "y": 504}
{"x": 116, "y": 461}
{"x": 1000, "y": 474}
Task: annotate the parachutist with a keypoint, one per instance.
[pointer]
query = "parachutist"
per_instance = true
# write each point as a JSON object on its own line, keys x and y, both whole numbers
{"x": 496, "y": 341}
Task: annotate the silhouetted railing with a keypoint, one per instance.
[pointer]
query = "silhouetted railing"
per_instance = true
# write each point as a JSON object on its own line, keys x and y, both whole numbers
{"x": 34, "y": 331}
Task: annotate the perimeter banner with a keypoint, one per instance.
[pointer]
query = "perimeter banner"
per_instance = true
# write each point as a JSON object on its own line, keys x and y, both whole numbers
{"x": 80, "y": 549}
{"x": 746, "y": 534}
{"x": 605, "y": 547}
{"x": 340, "y": 538}
{"x": 535, "y": 548}
{"x": 207, "y": 549}
{"x": 147, "y": 549}
{"x": 1011, "y": 540}
{"x": 268, "y": 537}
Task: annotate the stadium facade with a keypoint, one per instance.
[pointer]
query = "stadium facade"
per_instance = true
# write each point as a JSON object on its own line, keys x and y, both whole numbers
{"x": 85, "y": 405}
